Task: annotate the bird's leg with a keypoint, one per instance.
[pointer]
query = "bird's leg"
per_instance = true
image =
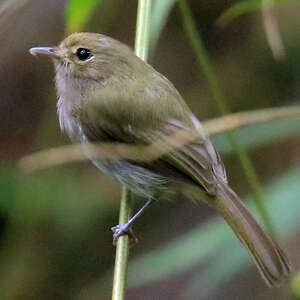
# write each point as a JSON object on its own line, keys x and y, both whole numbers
{"x": 127, "y": 227}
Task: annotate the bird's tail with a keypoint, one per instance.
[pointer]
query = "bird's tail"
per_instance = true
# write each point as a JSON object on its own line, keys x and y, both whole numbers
{"x": 268, "y": 256}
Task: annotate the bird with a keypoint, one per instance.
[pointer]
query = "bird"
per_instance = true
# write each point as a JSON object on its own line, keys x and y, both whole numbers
{"x": 108, "y": 94}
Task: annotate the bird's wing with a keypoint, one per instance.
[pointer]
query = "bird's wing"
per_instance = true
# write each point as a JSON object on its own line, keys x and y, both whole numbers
{"x": 146, "y": 114}
{"x": 195, "y": 161}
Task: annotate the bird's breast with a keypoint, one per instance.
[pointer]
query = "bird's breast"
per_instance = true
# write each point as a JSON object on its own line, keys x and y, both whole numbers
{"x": 68, "y": 120}
{"x": 70, "y": 97}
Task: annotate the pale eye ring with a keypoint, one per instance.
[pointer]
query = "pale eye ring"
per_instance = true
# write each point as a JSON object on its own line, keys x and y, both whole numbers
{"x": 83, "y": 54}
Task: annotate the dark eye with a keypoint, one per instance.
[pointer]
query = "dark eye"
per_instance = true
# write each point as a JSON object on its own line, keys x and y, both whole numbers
{"x": 83, "y": 54}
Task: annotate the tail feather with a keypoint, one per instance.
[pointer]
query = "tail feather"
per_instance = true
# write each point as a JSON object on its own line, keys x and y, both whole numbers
{"x": 268, "y": 256}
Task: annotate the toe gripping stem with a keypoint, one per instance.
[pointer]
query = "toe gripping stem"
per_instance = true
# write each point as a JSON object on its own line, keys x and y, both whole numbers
{"x": 126, "y": 228}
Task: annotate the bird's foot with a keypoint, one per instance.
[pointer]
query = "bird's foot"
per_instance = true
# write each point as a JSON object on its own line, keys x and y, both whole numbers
{"x": 119, "y": 230}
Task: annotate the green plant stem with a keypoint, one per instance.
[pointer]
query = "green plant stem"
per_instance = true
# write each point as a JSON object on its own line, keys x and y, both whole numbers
{"x": 122, "y": 251}
{"x": 247, "y": 118}
{"x": 142, "y": 35}
{"x": 210, "y": 74}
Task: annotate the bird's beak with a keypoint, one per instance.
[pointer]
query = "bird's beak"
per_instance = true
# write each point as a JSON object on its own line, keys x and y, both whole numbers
{"x": 49, "y": 51}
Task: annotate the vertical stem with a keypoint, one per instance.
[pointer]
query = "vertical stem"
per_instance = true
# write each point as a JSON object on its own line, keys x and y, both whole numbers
{"x": 119, "y": 283}
{"x": 122, "y": 250}
{"x": 141, "y": 46}
{"x": 210, "y": 74}
{"x": 272, "y": 30}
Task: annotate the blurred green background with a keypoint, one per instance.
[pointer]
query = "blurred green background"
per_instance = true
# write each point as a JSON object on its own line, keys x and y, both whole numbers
{"x": 55, "y": 238}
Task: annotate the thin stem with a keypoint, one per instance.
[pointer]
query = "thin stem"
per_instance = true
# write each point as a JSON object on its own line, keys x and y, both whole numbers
{"x": 141, "y": 50}
{"x": 241, "y": 119}
{"x": 73, "y": 153}
{"x": 122, "y": 249}
{"x": 272, "y": 30}
{"x": 141, "y": 46}
{"x": 210, "y": 74}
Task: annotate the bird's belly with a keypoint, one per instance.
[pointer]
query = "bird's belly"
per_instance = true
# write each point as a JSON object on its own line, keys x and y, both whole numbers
{"x": 137, "y": 178}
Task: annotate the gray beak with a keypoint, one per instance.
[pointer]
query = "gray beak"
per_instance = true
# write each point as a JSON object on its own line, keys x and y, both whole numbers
{"x": 49, "y": 51}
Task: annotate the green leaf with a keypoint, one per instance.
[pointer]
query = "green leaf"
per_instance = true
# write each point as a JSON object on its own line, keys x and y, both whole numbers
{"x": 242, "y": 8}
{"x": 159, "y": 16}
{"x": 203, "y": 244}
{"x": 295, "y": 285}
{"x": 11, "y": 2}
{"x": 8, "y": 187}
{"x": 9, "y": 6}
{"x": 78, "y": 12}
{"x": 259, "y": 135}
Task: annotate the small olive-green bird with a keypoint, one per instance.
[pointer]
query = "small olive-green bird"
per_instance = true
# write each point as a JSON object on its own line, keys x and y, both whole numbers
{"x": 107, "y": 94}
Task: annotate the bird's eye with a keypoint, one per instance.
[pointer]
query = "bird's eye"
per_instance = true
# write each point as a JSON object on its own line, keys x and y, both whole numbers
{"x": 83, "y": 54}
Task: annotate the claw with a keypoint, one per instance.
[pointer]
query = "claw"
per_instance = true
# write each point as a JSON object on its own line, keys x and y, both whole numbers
{"x": 119, "y": 230}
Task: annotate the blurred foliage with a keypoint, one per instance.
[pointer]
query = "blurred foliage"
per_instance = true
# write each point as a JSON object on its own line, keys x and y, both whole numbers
{"x": 203, "y": 242}
{"x": 55, "y": 241}
{"x": 243, "y": 7}
{"x": 78, "y": 12}
{"x": 159, "y": 16}
{"x": 260, "y": 135}
{"x": 295, "y": 286}
{"x": 210, "y": 74}
{"x": 7, "y": 4}
{"x": 8, "y": 9}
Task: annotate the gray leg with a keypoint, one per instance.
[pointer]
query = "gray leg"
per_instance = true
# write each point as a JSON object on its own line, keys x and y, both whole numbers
{"x": 126, "y": 228}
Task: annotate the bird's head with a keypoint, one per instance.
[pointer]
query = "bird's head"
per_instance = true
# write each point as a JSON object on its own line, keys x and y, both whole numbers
{"x": 88, "y": 56}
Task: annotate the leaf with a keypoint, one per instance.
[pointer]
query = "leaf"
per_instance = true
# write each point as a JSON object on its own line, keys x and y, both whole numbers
{"x": 259, "y": 135}
{"x": 204, "y": 243}
{"x": 6, "y": 4}
{"x": 8, "y": 187}
{"x": 159, "y": 15}
{"x": 295, "y": 285}
{"x": 9, "y": 7}
{"x": 282, "y": 203}
{"x": 216, "y": 278}
{"x": 242, "y": 8}
{"x": 78, "y": 12}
